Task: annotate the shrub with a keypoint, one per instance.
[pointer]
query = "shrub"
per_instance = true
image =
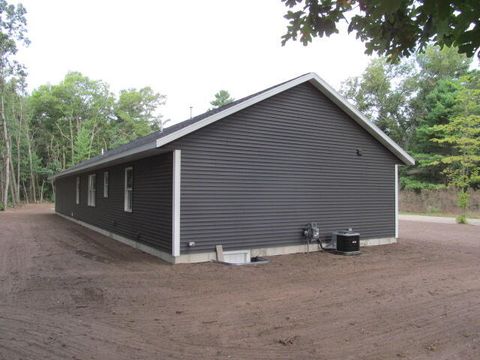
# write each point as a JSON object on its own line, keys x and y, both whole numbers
{"x": 408, "y": 183}
{"x": 461, "y": 219}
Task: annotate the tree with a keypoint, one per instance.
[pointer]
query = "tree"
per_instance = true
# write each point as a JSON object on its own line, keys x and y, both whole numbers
{"x": 221, "y": 98}
{"x": 408, "y": 99}
{"x": 391, "y": 28}
{"x": 79, "y": 117}
{"x": 384, "y": 92}
{"x": 462, "y": 133}
{"x": 12, "y": 32}
{"x": 60, "y": 112}
{"x": 136, "y": 113}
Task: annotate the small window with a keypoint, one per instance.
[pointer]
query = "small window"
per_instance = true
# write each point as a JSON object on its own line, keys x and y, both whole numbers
{"x": 77, "y": 191}
{"x": 128, "y": 189}
{"x": 105, "y": 184}
{"x": 92, "y": 190}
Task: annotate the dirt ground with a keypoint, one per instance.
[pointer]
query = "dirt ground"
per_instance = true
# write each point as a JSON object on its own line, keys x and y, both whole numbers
{"x": 69, "y": 293}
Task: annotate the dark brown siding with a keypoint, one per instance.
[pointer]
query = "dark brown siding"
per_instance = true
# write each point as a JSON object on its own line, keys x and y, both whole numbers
{"x": 256, "y": 178}
{"x": 150, "y": 220}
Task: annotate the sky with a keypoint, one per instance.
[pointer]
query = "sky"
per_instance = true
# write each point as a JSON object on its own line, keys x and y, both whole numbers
{"x": 187, "y": 50}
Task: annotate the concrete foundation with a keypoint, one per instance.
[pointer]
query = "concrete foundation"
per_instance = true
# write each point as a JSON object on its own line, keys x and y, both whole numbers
{"x": 209, "y": 256}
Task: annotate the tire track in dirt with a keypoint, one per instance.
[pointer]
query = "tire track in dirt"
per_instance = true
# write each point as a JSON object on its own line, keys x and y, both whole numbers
{"x": 69, "y": 293}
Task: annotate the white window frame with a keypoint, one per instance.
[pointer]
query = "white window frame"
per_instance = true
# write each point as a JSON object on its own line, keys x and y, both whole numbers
{"x": 128, "y": 192}
{"x": 77, "y": 191}
{"x": 92, "y": 189}
{"x": 106, "y": 180}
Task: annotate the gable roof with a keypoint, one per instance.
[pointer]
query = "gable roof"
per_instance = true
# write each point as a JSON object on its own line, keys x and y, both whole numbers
{"x": 158, "y": 139}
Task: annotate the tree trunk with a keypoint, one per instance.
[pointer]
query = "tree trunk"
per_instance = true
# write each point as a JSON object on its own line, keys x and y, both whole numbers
{"x": 71, "y": 143}
{"x": 25, "y": 193}
{"x": 19, "y": 134}
{"x": 41, "y": 191}
{"x": 30, "y": 160}
{"x": 7, "y": 155}
{"x": 13, "y": 186}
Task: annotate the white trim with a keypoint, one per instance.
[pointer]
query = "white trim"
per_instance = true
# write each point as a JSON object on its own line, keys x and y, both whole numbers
{"x": 356, "y": 115}
{"x": 127, "y": 207}
{"x": 92, "y": 190}
{"x": 135, "y": 244}
{"x": 106, "y": 184}
{"x": 313, "y": 78}
{"x": 176, "y": 184}
{"x": 321, "y": 85}
{"x": 396, "y": 201}
{"x": 77, "y": 190}
{"x": 121, "y": 155}
{"x": 231, "y": 110}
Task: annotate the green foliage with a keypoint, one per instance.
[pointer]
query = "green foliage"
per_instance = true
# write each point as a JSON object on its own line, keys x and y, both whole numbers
{"x": 82, "y": 144}
{"x": 79, "y": 117}
{"x": 409, "y": 183}
{"x": 461, "y": 219}
{"x": 13, "y": 32}
{"x": 221, "y": 98}
{"x": 391, "y": 28}
{"x": 407, "y": 100}
{"x": 383, "y": 92}
{"x": 136, "y": 113}
{"x": 462, "y": 133}
{"x": 463, "y": 199}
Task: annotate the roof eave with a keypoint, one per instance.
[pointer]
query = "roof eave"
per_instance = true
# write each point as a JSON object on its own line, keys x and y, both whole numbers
{"x": 134, "y": 151}
{"x": 356, "y": 115}
{"x": 313, "y": 78}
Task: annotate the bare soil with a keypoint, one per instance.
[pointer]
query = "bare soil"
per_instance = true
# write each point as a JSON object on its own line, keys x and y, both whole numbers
{"x": 68, "y": 293}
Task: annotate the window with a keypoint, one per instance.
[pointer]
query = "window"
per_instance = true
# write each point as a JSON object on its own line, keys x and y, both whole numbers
{"x": 91, "y": 189}
{"x": 128, "y": 189}
{"x": 105, "y": 184}
{"x": 77, "y": 191}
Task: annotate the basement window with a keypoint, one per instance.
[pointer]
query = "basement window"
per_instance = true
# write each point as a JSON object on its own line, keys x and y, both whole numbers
{"x": 92, "y": 189}
{"x": 128, "y": 201}
{"x": 77, "y": 191}
{"x": 105, "y": 184}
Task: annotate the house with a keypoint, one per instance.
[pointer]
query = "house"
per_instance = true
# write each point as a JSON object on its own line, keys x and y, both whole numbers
{"x": 248, "y": 176}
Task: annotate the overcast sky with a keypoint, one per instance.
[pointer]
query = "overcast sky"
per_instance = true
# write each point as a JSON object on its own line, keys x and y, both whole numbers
{"x": 187, "y": 50}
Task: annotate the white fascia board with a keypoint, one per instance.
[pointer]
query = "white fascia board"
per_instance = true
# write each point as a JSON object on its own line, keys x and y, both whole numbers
{"x": 100, "y": 161}
{"x": 232, "y": 110}
{"x": 373, "y": 129}
{"x": 321, "y": 85}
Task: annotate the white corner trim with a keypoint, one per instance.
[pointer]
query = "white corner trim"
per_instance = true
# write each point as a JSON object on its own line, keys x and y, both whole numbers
{"x": 176, "y": 191}
{"x": 396, "y": 201}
